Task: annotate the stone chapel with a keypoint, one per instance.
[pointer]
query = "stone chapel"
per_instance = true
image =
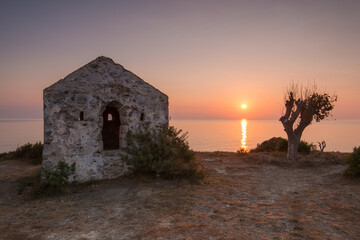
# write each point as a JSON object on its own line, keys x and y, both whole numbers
{"x": 88, "y": 113}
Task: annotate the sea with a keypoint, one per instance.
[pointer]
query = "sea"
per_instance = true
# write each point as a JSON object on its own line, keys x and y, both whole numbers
{"x": 212, "y": 135}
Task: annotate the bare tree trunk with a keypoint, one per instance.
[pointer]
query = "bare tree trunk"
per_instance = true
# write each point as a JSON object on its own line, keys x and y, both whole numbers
{"x": 288, "y": 120}
{"x": 293, "y": 146}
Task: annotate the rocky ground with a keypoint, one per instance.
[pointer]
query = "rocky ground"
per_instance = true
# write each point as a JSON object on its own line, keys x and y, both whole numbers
{"x": 252, "y": 196}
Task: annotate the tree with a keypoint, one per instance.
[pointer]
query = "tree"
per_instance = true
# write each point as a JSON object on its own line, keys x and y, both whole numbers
{"x": 299, "y": 113}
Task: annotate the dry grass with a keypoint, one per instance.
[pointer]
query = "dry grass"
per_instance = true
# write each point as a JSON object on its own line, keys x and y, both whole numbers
{"x": 251, "y": 196}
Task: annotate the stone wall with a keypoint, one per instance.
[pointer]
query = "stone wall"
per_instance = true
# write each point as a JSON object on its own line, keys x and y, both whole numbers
{"x": 73, "y": 117}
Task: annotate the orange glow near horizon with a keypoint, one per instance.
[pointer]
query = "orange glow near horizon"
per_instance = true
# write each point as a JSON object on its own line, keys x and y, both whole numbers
{"x": 212, "y": 64}
{"x": 226, "y": 108}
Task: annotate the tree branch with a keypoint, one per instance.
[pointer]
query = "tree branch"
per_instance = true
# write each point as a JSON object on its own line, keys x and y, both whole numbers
{"x": 299, "y": 108}
{"x": 288, "y": 105}
{"x": 306, "y": 117}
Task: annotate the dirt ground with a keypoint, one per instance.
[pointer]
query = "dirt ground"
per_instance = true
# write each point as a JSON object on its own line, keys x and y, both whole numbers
{"x": 253, "y": 196}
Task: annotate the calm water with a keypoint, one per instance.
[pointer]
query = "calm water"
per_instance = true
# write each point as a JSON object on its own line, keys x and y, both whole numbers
{"x": 230, "y": 135}
{"x": 212, "y": 135}
{"x": 14, "y": 133}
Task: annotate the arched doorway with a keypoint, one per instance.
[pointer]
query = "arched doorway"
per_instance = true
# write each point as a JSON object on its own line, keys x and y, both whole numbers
{"x": 110, "y": 131}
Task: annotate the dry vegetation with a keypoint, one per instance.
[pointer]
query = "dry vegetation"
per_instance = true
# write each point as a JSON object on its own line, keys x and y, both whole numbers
{"x": 249, "y": 196}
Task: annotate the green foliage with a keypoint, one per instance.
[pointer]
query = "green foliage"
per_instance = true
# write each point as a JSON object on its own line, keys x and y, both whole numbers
{"x": 54, "y": 182}
{"x": 164, "y": 152}
{"x": 316, "y": 105}
{"x": 275, "y": 144}
{"x": 305, "y": 147}
{"x": 32, "y": 152}
{"x": 279, "y": 144}
{"x": 353, "y": 170}
{"x": 321, "y": 104}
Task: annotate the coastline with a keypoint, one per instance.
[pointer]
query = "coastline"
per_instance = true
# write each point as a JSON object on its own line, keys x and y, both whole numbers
{"x": 213, "y": 135}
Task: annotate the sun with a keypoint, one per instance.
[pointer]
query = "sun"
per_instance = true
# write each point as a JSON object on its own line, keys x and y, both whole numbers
{"x": 243, "y": 106}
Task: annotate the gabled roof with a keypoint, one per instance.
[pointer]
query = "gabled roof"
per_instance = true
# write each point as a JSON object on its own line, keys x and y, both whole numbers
{"x": 101, "y": 71}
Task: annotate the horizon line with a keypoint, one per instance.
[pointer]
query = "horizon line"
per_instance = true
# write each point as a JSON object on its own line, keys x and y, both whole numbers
{"x": 181, "y": 118}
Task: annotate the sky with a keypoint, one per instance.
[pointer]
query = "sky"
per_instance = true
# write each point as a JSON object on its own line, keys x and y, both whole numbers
{"x": 209, "y": 57}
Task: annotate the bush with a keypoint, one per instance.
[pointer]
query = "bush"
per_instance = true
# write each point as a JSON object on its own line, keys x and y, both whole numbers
{"x": 275, "y": 144}
{"x": 279, "y": 144}
{"x": 353, "y": 170}
{"x": 32, "y": 152}
{"x": 164, "y": 152}
{"x": 54, "y": 183}
{"x": 305, "y": 147}
{"x": 242, "y": 151}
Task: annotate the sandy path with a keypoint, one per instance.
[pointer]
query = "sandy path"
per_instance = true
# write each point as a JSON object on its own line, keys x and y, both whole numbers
{"x": 257, "y": 196}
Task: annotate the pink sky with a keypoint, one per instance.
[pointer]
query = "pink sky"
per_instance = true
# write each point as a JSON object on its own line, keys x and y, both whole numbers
{"x": 209, "y": 57}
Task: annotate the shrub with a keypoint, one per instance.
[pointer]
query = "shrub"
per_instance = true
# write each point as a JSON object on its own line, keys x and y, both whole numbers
{"x": 275, "y": 144}
{"x": 32, "y": 152}
{"x": 242, "y": 151}
{"x": 164, "y": 152}
{"x": 279, "y": 144}
{"x": 54, "y": 183}
{"x": 353, "y": 170}
{"x": 305, "y": 147}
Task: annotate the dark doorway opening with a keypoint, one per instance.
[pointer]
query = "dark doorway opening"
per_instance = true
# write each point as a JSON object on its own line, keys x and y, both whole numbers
{"x": 110, "y": 131}
{"x": 81, "y": 116}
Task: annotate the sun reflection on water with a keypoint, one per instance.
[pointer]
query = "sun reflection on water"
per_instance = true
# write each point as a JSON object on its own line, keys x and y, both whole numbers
{"x": 243, "y": 135}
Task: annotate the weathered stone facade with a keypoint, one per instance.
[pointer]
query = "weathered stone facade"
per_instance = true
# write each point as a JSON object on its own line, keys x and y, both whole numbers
{"x": 88, "y": 113}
